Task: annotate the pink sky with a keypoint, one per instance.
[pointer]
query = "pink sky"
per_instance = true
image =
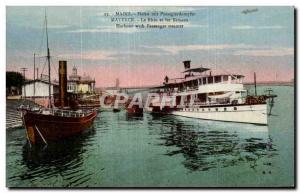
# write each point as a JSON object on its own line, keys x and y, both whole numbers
{"x": 145, "y": 75}
{"x": 153, "y": 74}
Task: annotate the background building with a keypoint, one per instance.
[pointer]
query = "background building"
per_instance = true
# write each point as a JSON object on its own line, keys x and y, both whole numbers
{"x": 78, "y": 84}
{"x": 41, "y": 89}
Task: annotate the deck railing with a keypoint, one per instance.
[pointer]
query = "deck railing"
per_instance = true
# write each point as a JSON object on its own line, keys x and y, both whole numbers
{"x": 70, "y": 113}
{"x": 58, "y": 112}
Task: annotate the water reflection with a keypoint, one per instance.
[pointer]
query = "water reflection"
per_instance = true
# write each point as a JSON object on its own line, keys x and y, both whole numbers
{"x": 96, "y": 157}
{"x": 59, "y": 160}
{"x": 207, "y": 144}
{"x": 133, "y": 117}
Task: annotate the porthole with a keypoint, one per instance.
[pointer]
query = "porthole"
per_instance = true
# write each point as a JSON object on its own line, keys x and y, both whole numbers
{"x": 216, "y": 109}
{"x": 225, "y": 109}
{"x": 234, "y": 108}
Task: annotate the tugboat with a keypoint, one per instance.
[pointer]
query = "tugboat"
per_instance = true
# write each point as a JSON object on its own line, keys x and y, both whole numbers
{"x": 43, "y": 124}
{"x": 220, "y": 97}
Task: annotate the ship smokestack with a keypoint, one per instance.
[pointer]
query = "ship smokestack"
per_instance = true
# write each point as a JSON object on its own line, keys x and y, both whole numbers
{"x": 62, "y": 82}
{"x": 187, "y": 64}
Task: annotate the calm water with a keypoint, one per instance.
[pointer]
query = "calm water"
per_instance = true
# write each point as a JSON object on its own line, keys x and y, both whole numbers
{"x": 161, "y": 151}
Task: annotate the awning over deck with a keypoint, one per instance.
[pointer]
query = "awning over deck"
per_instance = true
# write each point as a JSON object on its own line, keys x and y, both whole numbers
{"x": 199, "y": 70}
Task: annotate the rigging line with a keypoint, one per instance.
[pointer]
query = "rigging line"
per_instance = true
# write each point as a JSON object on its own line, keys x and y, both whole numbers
{"x": 44, "y": 66}
{"x": 42, "y": 40}
{"x": 38, "y": 65}
{"x": 59, "y": 57}
{"x": 39, "y": 56}
{"x": 80, "y": 38}
{"x": 55, "y": 66}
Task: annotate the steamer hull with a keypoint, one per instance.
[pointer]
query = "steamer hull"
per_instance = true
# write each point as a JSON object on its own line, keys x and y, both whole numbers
{"x": 51, "y": 127}
{"x": 254, "y": 114}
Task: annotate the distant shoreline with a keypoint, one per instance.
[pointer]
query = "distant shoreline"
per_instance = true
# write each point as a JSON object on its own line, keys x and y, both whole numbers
{"x": 270, "y": 83}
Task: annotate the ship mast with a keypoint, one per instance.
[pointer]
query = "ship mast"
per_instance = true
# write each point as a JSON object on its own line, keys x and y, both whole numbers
{"x": 34, "y": 77}
{"x": 48, "y": 59}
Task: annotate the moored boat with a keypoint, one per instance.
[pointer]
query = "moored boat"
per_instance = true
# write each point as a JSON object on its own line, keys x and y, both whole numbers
{"x": 116, "y": 110}
{"x": 133, "y": 109}
{"x": 220, "y": 97}
{"x": 43, "y": 124}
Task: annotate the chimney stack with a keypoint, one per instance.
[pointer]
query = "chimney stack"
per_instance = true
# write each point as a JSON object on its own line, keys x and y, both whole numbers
{"x": 62, "y": 82}
{"x": 187, "y": 64}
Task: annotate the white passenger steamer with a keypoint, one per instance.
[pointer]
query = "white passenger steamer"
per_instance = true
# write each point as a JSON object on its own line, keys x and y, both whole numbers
{"x": 219, "y": 97}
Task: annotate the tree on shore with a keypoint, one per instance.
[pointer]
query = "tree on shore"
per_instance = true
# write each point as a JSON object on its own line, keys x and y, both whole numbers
{"x": 14, "y": 80}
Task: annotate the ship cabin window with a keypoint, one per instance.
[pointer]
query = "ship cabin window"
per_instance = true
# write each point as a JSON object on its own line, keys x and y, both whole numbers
{"x": 225, "y": 78}
{"x": 200, "y": 81}
{"x": 202, "y": 109}
{"x": 189, "y": 83}
{"x": 244, "y": 93}
{"x": 180, "y": 88}
{"x": 210, "y": 80}
{"x": 204, "y": 80}
{"x": 217, "y": 79}
{"x": 208, "y": 109}
{"x": 195, "y": 83}
{"x": 237, "y": 92}
{"x": 216, "y": 109}
{"x": 225, "y": 109}
{"x": 235, "y": 108}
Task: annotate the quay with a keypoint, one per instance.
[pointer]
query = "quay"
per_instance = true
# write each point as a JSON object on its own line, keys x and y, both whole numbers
{"x": 13, "y": 116}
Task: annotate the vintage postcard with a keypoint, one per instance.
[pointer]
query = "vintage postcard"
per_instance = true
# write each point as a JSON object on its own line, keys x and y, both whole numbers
{"x": 140, "y": 96}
